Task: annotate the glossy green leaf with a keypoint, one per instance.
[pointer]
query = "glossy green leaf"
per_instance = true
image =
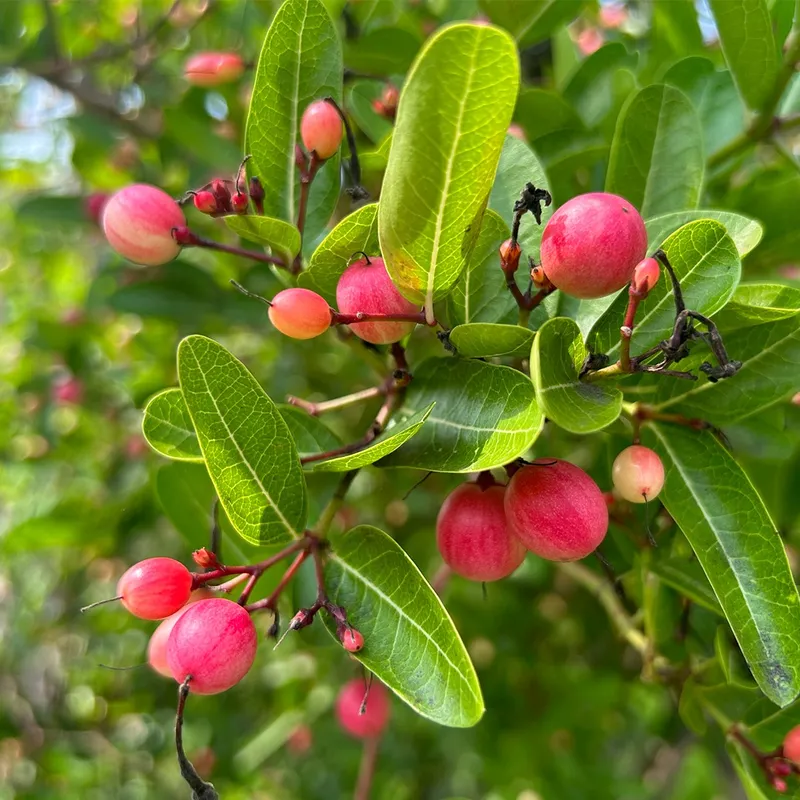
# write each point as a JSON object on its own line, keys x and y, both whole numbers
{"x": 541, "y": 111}
{"x": 311, "y": 435}
{"x": 168, "y": 427}
{"x": 485, "y": 416}
{"x": 748, "y": 43}
{"x": 745, "y": 232}
{"x": 712, "y": 500}
{"x": 769, "y": 732}
{"x": 657, "y": 158}
{"x": 247, "y": 447}
{"x": 730, "y": 659}
{"x": 489, "y": 340}
{"x": 556, "y": 360}
{"x": 757, "y": 303}
{"x": 688, "y": 578}
{"x": 707, "y": 264}
{"x": 532, "y": 20}
{"x": 749, "y": 773}
{"x": 411, "y": 643}
{"x": 383, "y": 51}
{"x": 356, "y": 232}
{"x": 281, "y": 237}
{"x": 386, "y": 443}
{"x": 360, "y": 98}
{"x": 300, "y": 61}
{"x": 451, "y": 123}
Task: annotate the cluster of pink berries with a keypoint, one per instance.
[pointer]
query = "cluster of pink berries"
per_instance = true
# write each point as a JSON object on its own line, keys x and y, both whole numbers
{"x": 550, "y": 507}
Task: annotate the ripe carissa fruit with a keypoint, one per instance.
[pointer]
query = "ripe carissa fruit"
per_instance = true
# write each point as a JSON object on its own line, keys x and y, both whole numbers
{"x": 365, "y": 286}
{"x": 300, "y": 313}
{"x": 155, "y": 588}
{"x": 138, "y": 222}
{"x": 213, "y": 69}
{"x": 214, "y": 642}
{"x": 376, "y": 714}
{"x": 556, "y": 510}
{"x": 638, "y": 474}
{"x": 791, "y": 745}
{"x": 472, "y": 534}
{"x": 591, "y": 245}
{"x": 321, "y": 129}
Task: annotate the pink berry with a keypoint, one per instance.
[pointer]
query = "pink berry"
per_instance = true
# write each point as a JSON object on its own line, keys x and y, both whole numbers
{"x": 300, "y": 740}
{"x": 239, "y": 203}
{"x": 365, "y": 286}
{"x": 645, "y": 276}
{"x": 321, "y": 129}
{"x": 94, "y": 205}
{"x": 214, "y": 642}
{"x": 68, "y": 391}
{"x": 213, "y": 69}
{"x": 590, "y": 41}
{"x": 205, "y": 202}
{"x": 517, "y": 132}
{"x": 638, "y": 474}
{"x": 376, "y": 713}
{"x": 138, "y": 222}
{"x": 791, "y": 745}
{"x": 351, "y": 639}
{"x": 556, "y": 510}
{"x": 472, "y": 534}
{"x": 155, "y": 588}
{"x": 300, "y": 313}
{"x": 779, "y": 785}
{"x": 591, "y": 245}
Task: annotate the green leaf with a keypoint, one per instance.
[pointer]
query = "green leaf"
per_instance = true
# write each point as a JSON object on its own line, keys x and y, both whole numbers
{"x": 360, "y": 98}
{"x": 488, "y": 340}
{"x": 749, "y": 772}
{"x": 745, "y": 232}
{"x": 485, "y": 416}
{"x": 386, "y": 443}
{"x": 281, "y": 237}
{"x": 748, "y": 43}
{"x": 301, "y": 61}
{"x": 730, "y": 659}
{"x": 451, "y": 123}
{"x": 541, "y": 111}
{"x": 168, "y": 427}
{"x": 310, "y": 434}
{"x": 688, "y": 578}
{"x": 532, "y": 20}
{"x": 758, "y": 303}
{"x": 556, "y": 360}
{"x": 707, "y": 264}
{"x": 383, "y": 51}
{"x": 358, "y": 231}
{"x": 410, "y": 642}
{"x": 712, "y": 500}
{"x": 247, "y": 447}
{"x": 657, "y": 159}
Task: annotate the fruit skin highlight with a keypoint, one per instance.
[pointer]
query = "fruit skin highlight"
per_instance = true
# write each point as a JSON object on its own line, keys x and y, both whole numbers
{"x": 556, "y": 510}
{"x": 591, "y": 245}
{"x": 300, "y": 313}
{"x": 213, "y": 69}
{"x": 376, "y": 714}
{"x": 321, "y": 129}
{"x": 472, "y": 534}
{"x": 155, "y": 588}
{"x": 638, "y": 474}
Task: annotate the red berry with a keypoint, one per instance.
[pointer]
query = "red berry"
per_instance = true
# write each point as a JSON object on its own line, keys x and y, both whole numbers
{"x": 213, "y": 69}
{"x": 791, "y": 745}
{"x": 68, "y": 390}
{"x": 638, "y": 474}
{"x": 214, "y": 641}
{"x": 376, "y": 713}
{"x": 138, "y": 222}
{"x": 94, "y": 205}
{"x": 556, "y": 510}
{"x": 321, "y": 129}
{"x": 591, "y": 244}
{"x": 239, "y": 203}
{"x": 205, "y": 201}
{"x": 365, "y": 286}
{"x": 472, "y": 534}
{"x": 155, "y": 588}
{"x": 300, "y": 740}
{"x": 300, "y": 313}
{"x": 351, "y": 639}
{"x": 781, "y": 768}
{"x": 645, "y": 276}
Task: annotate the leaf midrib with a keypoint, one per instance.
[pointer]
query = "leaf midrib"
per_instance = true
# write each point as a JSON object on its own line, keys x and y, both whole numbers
{"x": 290, "y": 161}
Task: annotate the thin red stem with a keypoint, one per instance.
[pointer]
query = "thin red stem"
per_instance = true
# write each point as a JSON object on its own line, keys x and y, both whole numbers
{"x": 337, "y": 318}
{"x": 269, "y": 602}
{"x": 366, "y": 771}
{"x": 188, "y": 238}
{"x": 306, "y": 178}
{"x": 250, "y": 569}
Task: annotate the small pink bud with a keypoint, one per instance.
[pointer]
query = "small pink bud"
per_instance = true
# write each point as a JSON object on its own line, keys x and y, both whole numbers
{"x": 613, "y": 16}
{"x": 94, "y": 204}
{"x": 213, "y": 69}
{"x": 517, "y": 132}
{"x": 645, "y": 276}
{"x": 590, "y": 41}
{"x": 781, "y": 768}
{"x": 351, "y": 639}
{"x": 510, "y": 252}
{"x": 183, "y": 236}
{"x": 68, "y": 390}
{"x": 300, "y": 740}
{"x": 204, "y": 558}
{"x": 779, "y": 785}
{"x": 205, "y": 202}
{"x": 321, "y": 129}
{"x": 138, "y": 222}
{"x": 239, "y": 203}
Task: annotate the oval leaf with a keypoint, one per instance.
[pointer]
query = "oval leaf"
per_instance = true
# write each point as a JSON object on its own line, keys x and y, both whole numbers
{"x": 410, "y": 642}
{"x": 657, "y": 154}
{"x": 300, "y": 61}
{"x": 310, "y": 434}
{"x": 281, "y": 237}
{"x": 485, "y": 417}
{"x": 556, "y": 360}
{"x": 451, "y": 123}
{"x": 712, "y": 500}
{"x": 757, "y": 303}
{"x": 485, "y": 340}
{"x": 386, "y": 443}
{"x": 249, "y": 452}
{"x": 168, "y": 427}
{"x": 745, "y": 232}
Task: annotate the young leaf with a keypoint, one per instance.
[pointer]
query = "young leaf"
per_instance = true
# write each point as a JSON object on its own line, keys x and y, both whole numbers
{"x": 168, "y": 427}
{"x": 356, "y": 232}
{"x": 745, "y": 31}
{"x": 410, "y": 642}
{"x": 657, "y": 158}
{"x": 247, "y": 447}
{"x": 487, "y": 340}
{"x": 712, "y": 500}
{"x": 757, "y": 303}
{"x": 485, "y": 416}
{"x": 556, "y": 360}
{"x": 707, "y": 264}
{"x": 452, "y": 120}
{"x": 281, "y": 237}
{"x": 688, "y": 578}
{"x": 386, "y": 443}
{"x": 745, "y": 232}
{"x": 301, "y": 61}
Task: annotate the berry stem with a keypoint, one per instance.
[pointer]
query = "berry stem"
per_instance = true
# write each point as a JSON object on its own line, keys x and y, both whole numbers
{"x": 315, "y": 409}
{"x": 200, "y": 789}
{"x": 337, "y": 318}
{"x": 306, "y": 178}
{"x": 271, "y": 601}
{"x": 369, "y": 758}
{"x": 187, "y": 238}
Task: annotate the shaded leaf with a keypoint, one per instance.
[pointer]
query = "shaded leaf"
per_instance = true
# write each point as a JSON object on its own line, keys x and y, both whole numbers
{"x": 383, "y": 51}
{"x": 757, "y": 303}
{"x": 281, "y": 237}
{"x": 488, "y": 340}
{"x": 311, "y": 435}
{"x": 688, "y": 578}
{"x": 541, "y": 111}
{"x": 745, "y": 232}
{"x": 532, "y": 20}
